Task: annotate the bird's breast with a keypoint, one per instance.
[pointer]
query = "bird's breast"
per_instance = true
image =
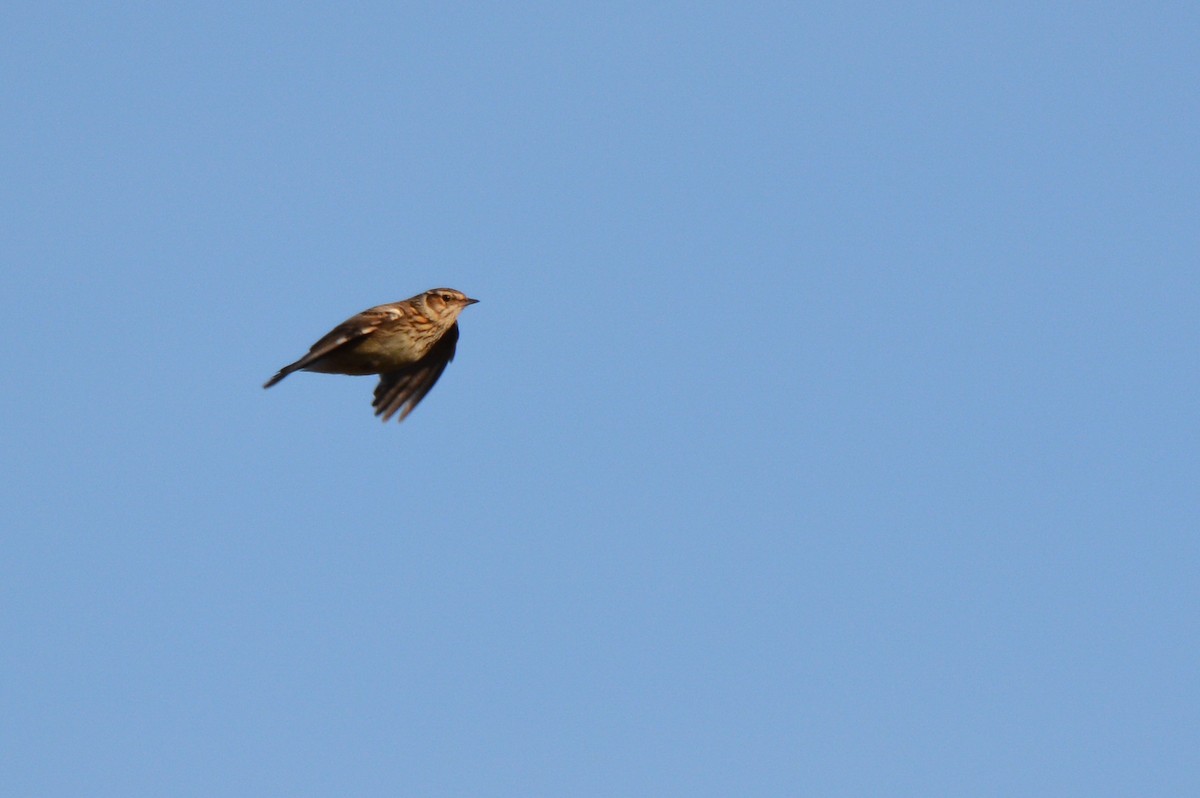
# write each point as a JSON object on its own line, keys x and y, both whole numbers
{"x": 389, "y": 349}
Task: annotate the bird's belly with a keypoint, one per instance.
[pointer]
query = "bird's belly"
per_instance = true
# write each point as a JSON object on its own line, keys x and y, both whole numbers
{"x": 371, "y": 355}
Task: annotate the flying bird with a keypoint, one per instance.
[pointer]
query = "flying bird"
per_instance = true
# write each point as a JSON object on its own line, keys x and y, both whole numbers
{"x": 408, "y": 344}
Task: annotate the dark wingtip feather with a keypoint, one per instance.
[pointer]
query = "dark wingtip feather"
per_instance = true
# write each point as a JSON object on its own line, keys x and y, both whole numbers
{"x": 403, "y": 391}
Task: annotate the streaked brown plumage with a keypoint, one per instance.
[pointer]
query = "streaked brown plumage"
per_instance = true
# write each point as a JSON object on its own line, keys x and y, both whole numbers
{"x": 408, "y": 344}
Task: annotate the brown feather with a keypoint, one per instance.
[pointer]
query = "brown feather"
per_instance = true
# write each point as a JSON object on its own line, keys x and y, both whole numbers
{"x": 404, "y": 389}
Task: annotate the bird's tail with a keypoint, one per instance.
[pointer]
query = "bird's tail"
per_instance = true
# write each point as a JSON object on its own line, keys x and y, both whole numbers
{"x": 279, "y": 375}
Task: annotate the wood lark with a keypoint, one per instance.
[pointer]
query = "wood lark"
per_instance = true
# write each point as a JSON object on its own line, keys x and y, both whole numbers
{"x": 408, "y": 344}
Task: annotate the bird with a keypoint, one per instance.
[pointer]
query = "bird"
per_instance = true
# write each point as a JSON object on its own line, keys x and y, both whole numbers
{"x": 408, "y": 344}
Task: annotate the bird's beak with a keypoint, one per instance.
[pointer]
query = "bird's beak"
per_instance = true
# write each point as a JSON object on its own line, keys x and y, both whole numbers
{"x": 470, "y": 301}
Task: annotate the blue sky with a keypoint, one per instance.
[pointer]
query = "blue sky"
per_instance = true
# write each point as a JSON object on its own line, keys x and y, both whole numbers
{"x": 827, "y": 425}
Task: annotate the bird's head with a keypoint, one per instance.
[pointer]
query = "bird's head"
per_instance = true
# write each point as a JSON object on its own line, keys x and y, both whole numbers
{"x": 445, "y": 303}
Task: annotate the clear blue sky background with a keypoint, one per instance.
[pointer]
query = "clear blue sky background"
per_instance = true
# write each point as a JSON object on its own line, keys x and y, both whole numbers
{"x": 828, "y": 425}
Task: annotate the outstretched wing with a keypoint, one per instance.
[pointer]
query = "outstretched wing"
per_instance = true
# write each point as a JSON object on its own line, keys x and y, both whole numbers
{"x": 402, "y": 390}
{"x": 350, "y": 330}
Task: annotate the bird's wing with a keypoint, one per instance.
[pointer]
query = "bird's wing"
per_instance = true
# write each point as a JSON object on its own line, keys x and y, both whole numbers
{"x": 402, "y": 390}
{"x": 351, "y": 329}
